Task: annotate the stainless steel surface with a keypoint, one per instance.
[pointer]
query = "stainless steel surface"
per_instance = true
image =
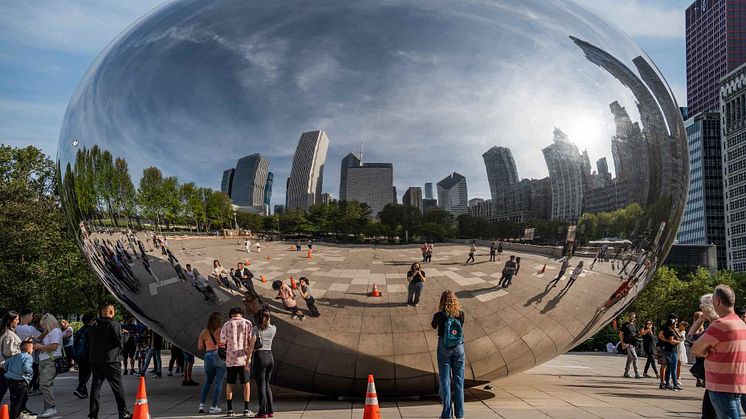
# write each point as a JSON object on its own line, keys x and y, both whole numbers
{"x": 429, "y": 87}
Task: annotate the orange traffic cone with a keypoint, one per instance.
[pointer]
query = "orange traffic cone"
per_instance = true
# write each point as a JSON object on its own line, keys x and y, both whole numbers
{"x": 4, "y": 413}
{"x": 293, "y": 284}
{"x": 309, "y": 253}
{"x": 264, "y": 280}
{"x": 375, "y": 292}
{"x": 543, "y": 268}
{"x": 292, "y": 247}
{"x": 371, "y": 401}
{"x": 141, "y": 402}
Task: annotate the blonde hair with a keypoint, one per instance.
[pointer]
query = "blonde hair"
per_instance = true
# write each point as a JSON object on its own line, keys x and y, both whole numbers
{"x": 449, "y": 303}
{"x": 49, "y": 322}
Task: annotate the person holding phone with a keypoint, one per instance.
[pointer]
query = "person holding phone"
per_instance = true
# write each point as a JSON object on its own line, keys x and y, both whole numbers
{"x": 416, "y": 279}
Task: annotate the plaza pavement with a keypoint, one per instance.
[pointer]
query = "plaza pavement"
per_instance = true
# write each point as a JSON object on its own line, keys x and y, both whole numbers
{"x": 574, "y": 385}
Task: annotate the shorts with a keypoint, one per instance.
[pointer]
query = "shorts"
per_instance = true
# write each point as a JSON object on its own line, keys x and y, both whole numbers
{"x": 129, "y": 350}
{"x": 236, "y": 372}
{"x": 188, "y": 358}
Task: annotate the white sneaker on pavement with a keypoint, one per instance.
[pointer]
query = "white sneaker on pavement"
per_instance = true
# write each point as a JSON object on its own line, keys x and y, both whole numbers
{"x": 215, "y": 409}
{"x": 49, "y": 413}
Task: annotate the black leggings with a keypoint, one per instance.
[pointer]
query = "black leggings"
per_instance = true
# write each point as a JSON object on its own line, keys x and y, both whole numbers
{"x": 264, "y": 362}
{"x": 650, "y": 362}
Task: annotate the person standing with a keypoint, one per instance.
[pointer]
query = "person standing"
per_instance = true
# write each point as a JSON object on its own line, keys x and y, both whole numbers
{"x": 105, "y": 356}
{"x": 26, "y": 331}
{"x": 247, "y": 245}
{"x": 209, "y": 342}
{"x": 416, "y": 279}
{"x": 49, "y": 349}
{"x": 188, "y": 361}
{"x": 18, "y": 376}
{"x": 129, "y": 347}
{"x": 508, "y": 272}
{"x": 499, "y": 250}
{"x": 493, "y": 251}
{"x": 681, "y": 349}
{"x": 177, "y": 358}
{"x": 628, "y": 336}
{"x": 723, "y": 345}
{"x": 668, "y": 340}
{"x": 449, "y": 320}
{"x": 648, "y": 345}
{"x": 67, "y": 340}
{"x": 423, "y": 250}
{"x": 10, "y": 345}
{"x": 81, "y": 352}
{"x": 264, "y": 362}
{"x": 239, "y": 345}
{"x": 472, "y": 250}
{"x": 154, "y": 353}
{"x": 429, "y": 253}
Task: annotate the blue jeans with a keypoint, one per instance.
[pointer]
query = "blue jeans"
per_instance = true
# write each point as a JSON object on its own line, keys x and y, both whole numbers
{"x": 155, "y": 355}
{"x": 451, "y": 369}
{"x": 215, "y": 372}
{"x": 415, "y": 289}
{"x": 671, "y": 362}
{"x": 726, "y": 404}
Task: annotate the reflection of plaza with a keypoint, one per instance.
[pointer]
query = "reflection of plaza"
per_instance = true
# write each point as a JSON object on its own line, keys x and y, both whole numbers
{"x": 509, "y": 329}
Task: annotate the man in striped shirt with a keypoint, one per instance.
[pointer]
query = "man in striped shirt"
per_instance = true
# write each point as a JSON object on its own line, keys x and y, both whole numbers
{"x": 724, "y": 348}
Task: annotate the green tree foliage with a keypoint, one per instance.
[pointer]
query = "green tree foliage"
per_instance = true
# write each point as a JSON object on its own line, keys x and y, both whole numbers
{"x": 41, "y": 266}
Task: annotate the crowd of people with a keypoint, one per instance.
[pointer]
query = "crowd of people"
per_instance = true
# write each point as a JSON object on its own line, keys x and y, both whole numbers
{"x": 712, "y": 348}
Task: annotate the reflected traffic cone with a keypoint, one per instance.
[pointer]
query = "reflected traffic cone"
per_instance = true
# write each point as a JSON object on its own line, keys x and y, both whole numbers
{"x": 309, "y": 253}
{"x": 371, "y": 401}
{"x": 292, "y": 247}
{"x": 268, "y": 257}
{"x": 293, "y": 284}
{"x": 247, "y": 262}
{"x": 4, "y": 414}
{"x": 543, "y": 268}
{"x": 141, "y": 402}
{"x": 375, "y": 292}
{"x": 264, "y": 280}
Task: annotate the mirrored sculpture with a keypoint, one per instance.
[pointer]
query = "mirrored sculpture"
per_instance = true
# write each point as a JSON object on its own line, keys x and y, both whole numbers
{"x": 531, "y": 118}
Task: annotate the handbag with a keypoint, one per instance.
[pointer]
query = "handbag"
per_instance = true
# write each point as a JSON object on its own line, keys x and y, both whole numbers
{"x": 258, "y": 344}
{"x": 61, "y": 365}
{"x": 222, "y": 354}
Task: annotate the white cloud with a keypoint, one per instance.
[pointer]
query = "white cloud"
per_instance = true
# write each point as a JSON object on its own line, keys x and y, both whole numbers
{"x": 654, "y": 18}
{"x": 69, "y": 25}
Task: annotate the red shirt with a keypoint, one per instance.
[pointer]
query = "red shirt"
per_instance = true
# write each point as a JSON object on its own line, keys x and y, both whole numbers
{"x": 725, "y": 365}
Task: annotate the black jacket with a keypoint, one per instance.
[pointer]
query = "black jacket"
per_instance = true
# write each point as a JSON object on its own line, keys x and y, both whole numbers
{"x": 105, "y": 341}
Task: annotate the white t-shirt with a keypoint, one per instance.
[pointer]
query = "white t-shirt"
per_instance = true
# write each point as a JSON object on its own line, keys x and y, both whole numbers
{"x": 26, "y": 332}
{"x": 55, "y": 336}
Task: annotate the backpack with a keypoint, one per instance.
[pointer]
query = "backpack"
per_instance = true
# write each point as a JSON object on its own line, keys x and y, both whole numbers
{"x": 80, "y": 344}
{"x": 453, "y": 333}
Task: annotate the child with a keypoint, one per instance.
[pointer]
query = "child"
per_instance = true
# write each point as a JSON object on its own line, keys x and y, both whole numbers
{"x": 19, "y": 372}
{"x": 305, "y": 292}
{"x": 285, "y": 293}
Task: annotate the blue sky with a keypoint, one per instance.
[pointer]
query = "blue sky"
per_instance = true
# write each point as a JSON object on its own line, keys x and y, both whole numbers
{"x": 46, "y": 47}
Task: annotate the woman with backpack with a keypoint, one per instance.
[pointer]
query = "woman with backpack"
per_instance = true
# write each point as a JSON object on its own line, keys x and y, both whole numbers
{"x": 449, "y": 321}
{"x": 209, "y": 342}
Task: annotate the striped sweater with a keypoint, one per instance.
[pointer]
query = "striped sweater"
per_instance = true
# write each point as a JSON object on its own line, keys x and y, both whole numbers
{"x": 725, "y": 364}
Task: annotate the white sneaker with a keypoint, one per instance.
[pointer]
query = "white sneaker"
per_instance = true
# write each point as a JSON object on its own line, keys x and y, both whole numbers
{"x": 215, "y": 409}
{"x": 201, "y": 408}
{"x": 27, "y": 416}
{"x": 49, "y": 413}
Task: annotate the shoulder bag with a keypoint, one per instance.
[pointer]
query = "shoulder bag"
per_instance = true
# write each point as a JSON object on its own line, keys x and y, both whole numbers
{"x": 222, "y": 354}
{"x": 61, "y": 366}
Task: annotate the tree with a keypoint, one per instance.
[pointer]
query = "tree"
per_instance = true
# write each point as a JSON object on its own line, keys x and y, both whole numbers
{"x": 41, "y": 266}
{"x": 150, "y": 194}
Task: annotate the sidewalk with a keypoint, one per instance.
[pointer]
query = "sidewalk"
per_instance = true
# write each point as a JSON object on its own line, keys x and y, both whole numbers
{"x": 575, "y": 385}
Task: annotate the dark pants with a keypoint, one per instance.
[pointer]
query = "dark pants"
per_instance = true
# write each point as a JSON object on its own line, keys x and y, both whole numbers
{"x": 264, "y": 362}
{"x": 18, "y": 397}
{"x": 34, "y": 385}
{"x": 177, "y": 357}
{"x": 650, "y": 355}
{"x": 84, "y": 374}
{"x": 3, "y": 384}
{"x": 111, "y": 372}
{"x": 492, "y": 256}
{"x": 312, "y": 309}
{"x": 471, "y": 258}
{"x": 415, "y": 289}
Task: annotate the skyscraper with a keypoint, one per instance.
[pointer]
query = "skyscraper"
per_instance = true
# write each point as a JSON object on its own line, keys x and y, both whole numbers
{"x": 372, "y": 184}
{"x": 268, "y": 189}
{"x": 413, "y": 197}
{"x": 350, "y": 160}
{"x": 307, "y": 174}
{"x": 227, "y": 183}
{"x": 714, "y": 46}
{"x": 501, "y": 174}
{"x": 704, "y": 216}
{"x": 326, "y": 198}
{"x": 453, "y": 195}
{"x": 733, "y": 135}
{"x": 250, "y": 181}
{"x": 566, "y": 173}
{"x": 429, "y": 190}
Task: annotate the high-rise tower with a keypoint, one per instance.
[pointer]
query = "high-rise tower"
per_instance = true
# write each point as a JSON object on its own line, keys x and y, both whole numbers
{"x": 307, "y": 174}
